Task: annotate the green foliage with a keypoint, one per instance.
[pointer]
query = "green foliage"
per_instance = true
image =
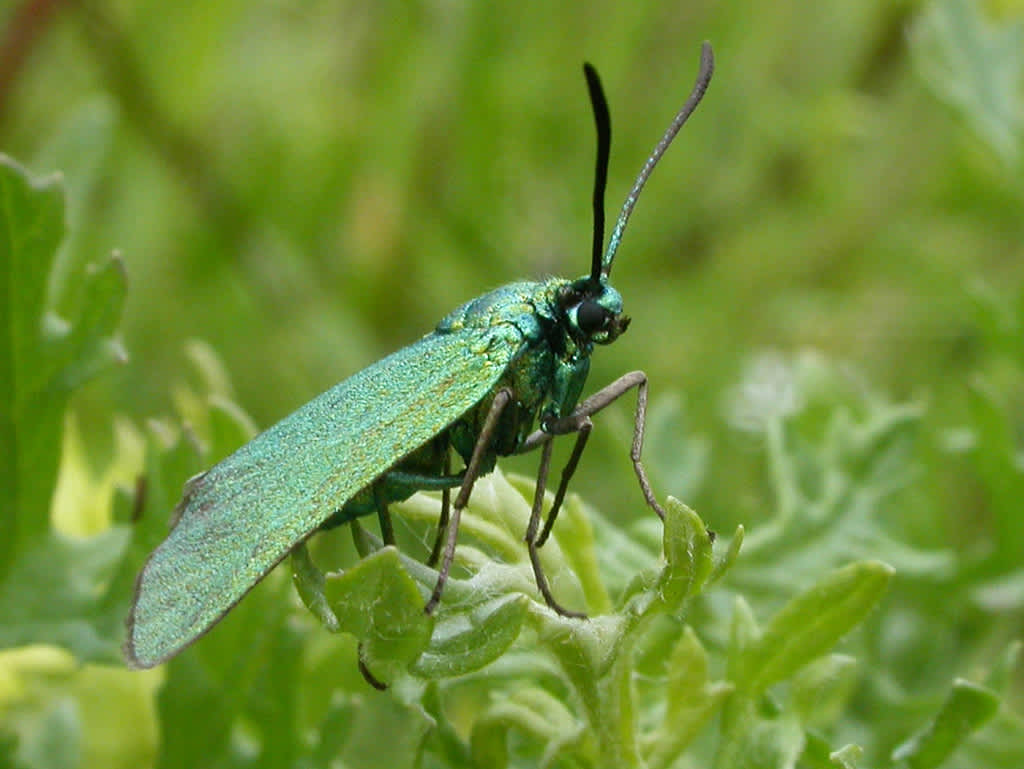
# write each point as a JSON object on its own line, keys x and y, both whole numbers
{"x": 48, "y": 581}
{"x": 271, "y": 174}
{"x": 978, "y": 68}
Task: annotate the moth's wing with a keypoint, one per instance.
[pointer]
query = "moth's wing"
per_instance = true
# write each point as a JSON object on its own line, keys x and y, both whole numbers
{"x": 237, "y": 520}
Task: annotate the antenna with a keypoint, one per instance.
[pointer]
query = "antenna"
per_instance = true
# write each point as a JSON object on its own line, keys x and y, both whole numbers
{"x": 604, "y": 144}
{"x": 707, "y": 67}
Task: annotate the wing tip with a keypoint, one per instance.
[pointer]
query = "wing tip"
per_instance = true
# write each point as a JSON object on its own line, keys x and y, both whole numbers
{"x": 129, "y": 649}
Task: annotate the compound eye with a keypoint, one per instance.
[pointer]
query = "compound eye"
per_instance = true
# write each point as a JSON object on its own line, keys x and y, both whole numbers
{"x": 591, "y": 317}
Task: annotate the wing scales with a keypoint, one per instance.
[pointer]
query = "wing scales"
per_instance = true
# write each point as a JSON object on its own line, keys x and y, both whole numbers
{"x": 239, "y": 519}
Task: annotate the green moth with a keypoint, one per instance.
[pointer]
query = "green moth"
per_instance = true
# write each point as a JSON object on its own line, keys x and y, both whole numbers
{"x": 501, "y": 375}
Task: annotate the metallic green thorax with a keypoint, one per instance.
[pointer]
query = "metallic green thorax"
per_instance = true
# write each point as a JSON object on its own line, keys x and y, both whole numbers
{"x": 390, "y": 426}
{"x": 550, "y": 368}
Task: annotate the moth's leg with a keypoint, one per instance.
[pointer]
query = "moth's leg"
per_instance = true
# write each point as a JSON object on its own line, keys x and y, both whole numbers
{"x": 574, "y": 423}
{"x": 531, "y": 533}
{"x": 483, "y": 443}
{"x": 416, "y": 481}
{"x": 309, "y": 582}
{"x": 369, "y": 677}
{"x": 582, "y": 434}
{"x": 442, "y": 524}
{"x": 380, "y": 500}
{"x": 139, "y": 497}
{"x": 360, "y": 538}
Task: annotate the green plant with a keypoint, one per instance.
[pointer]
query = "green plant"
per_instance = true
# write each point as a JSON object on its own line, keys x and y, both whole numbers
{"x": 690, "y": 658}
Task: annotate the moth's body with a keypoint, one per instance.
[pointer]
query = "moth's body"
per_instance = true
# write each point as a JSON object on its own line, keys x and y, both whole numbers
{"x": 522, "y": 338}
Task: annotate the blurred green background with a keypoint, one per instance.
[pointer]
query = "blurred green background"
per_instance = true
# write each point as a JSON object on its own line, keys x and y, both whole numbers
{"x": 308, "y": 186}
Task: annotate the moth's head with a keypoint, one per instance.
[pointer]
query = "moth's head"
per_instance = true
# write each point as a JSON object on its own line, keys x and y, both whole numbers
{"x": 591, "y": 307}
{"x": 592, "y": 311}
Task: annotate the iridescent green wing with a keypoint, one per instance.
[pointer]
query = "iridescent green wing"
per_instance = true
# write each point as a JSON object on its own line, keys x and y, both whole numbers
{"x": 240, "y": 518}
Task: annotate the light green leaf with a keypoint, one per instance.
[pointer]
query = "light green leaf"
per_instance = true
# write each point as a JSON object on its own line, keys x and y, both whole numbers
{"x": 820, "y": 691}
{"x": 763, "y": 744}
{"x": 380, "y": 604}
{"x": 692, "y": 699}
{"x": 847, "y": 757}
{"x": 532, "y": 712}
{"x": 812, "y": 623}
{"x": 688, "y": 554}
{"x": 967, "y": 708}
{"x": 466, "y": 641}
{"x": 976, "y": 67}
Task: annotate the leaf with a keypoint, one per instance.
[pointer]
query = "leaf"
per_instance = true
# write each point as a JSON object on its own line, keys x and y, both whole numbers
{"x": 763, "y": 744}
{"x": 31, "y": 228}
{"x": 725, "y": 562}
{"x": 691, "y": 700}
{"x": 48, "y": 582}
{"x": 467, "y": 641}
{"x": 380, "y": 604}
{"x": 997, "y": 464}
{"x": 49, "y": 595}
{"x": 58, "y": 742}
{"x": 687, "y": 553}
{"x": 811, "y": 624}
{"x": 967, "y": 707}
{"x": 975, "y": 67}
{"x": 532, "y": 712}
{"x": 1001, "y": 674}
{"x": 744, "y": 632}
{"x": 847, "y": 757}
{"x": 820, "y": 691}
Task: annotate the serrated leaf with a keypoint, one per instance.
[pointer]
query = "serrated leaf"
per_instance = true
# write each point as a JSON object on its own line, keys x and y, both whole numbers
{"x": 166, "y": 467}
{"x": 967, "y": 707}
{"x": 574, "y": 532}
{"x": 811, "y": 624}
{"x": 386, "y": 733}
{"x": 81, "y": 147}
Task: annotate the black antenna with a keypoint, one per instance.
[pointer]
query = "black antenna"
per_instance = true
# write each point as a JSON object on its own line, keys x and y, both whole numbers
{"x": 707, "y": 66}
{"x": 604, "y": 144}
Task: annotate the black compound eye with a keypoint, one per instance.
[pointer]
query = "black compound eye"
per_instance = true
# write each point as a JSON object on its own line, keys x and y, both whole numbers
{"x": 591, "y": 317}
